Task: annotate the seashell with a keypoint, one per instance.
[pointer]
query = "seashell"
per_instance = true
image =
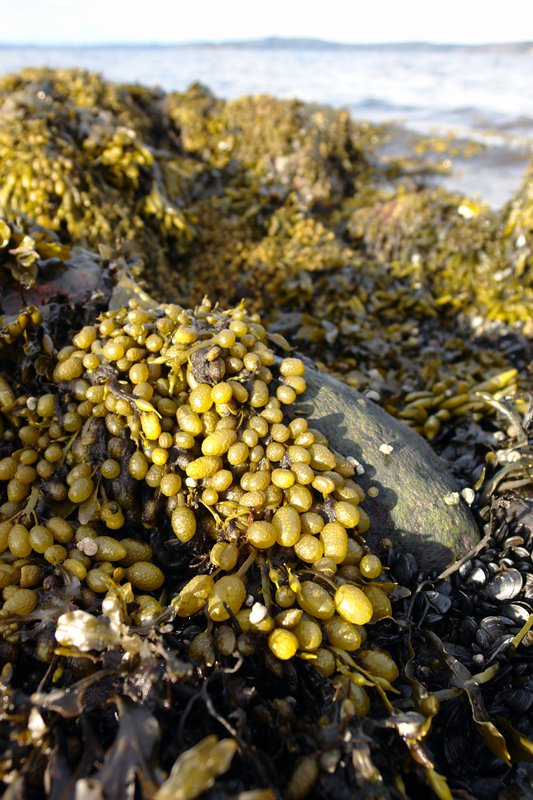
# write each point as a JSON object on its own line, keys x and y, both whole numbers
{"x": 514, "y": 541}
{"x": 444, "y": 587}
{"x": 493, "y": 569}
{"x": 484, "y": 639}
{"x": 495, "y": 624}
{"x": 467, "y": 629}
{"x": 465, "y": 569}
{"x": 478, "y": 576}
{"x": 517, "y": 612}
{"x": 464, "y": 603}
{"x": 405, "y": 568}
{"x": 501, "y": 644}
{"x": 520, "y": 552}
{"x": 454, "y": 750}
{"x": 517, "y": 700}
{"x": 488, "y": 788}
{"x": 438, "y": 601}
{"x": 491, "y": 630}
{"x": 506, "y": 562}
{"x": 505, "y": 585}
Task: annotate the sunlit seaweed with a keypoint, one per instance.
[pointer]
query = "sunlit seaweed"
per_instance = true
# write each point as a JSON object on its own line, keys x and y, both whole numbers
{"x": 420, "y": 297}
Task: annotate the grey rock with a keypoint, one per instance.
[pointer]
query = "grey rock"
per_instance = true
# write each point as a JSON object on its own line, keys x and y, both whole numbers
{"x": 417, "y": 505}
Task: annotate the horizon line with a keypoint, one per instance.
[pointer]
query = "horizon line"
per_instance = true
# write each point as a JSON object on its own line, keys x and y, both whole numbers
{"x": 264, "y": 39}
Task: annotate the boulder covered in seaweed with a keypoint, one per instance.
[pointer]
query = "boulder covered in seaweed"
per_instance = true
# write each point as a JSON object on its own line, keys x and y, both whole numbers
{"x": 413, "y": 498}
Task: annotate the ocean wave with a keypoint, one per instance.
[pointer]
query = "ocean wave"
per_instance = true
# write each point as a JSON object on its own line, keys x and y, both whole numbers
{"x": 372, "y": 103}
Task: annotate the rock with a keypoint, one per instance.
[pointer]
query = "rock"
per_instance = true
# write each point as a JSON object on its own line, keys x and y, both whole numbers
{"x": 417, "y": 505}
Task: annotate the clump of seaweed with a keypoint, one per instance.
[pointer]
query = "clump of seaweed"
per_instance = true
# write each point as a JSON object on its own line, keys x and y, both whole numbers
{"x": 74, "y": 160}
{"x": 153, "y": 472}
{"x": 519, "y": 230}
{"x": 160, "y": 422}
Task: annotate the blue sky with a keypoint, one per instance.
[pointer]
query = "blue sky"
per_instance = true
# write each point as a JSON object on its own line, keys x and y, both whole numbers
{"x": 167, "y": 21}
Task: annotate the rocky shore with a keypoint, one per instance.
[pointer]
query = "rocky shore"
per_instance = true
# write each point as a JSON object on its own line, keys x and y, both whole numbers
{"x": 142, "y": 403}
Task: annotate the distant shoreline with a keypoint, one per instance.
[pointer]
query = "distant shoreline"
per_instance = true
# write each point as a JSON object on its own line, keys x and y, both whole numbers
{"x": 280, "y": 43}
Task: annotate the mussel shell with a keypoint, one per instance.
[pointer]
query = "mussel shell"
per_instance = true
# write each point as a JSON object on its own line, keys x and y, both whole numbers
{"x": 465, "y": 569}
{"x": 496, "y": 624}
{"x": 484, "y": 639}
{"x": 491, "y": 630}
{"x": 517, "y": 700}
{"x": 487, "y": 788}
{"x": 514, "y": 541}
{"x": 477, "y": 576}
{"x": 501, "y": 644}
{"x": 454, "y": 750}
{"x": 437, "y": 600}
{"x": 463, "y": 603}
{"x": 467, "y": 629}
{"x": 493, "y": 568}
{"x": 505, "y": 585}
{"x": 517, "y": 612}
{"x": 520, "y": 552}
{"x": 405, "y": 568}
{"x": 506, "y": 561}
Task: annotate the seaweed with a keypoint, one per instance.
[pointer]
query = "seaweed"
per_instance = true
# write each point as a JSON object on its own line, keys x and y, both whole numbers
{"x": 419, "y": 297}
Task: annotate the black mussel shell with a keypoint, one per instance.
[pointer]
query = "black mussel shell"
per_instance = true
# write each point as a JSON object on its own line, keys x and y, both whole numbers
{"x": 505, "y": 585}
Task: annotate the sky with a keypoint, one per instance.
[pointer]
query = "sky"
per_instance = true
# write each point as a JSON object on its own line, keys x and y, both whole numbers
{"x": 46, "y": 22}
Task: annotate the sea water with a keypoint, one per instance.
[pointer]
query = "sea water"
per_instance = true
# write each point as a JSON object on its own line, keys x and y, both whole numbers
{"x": 481, "y": 94}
